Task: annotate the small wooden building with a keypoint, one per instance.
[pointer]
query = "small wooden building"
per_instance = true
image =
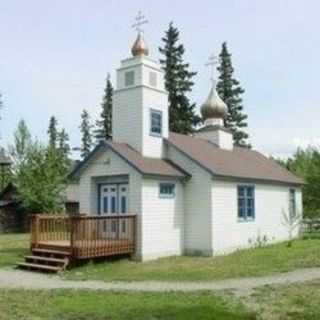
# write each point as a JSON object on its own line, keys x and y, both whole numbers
{"x": 12, "y": 217}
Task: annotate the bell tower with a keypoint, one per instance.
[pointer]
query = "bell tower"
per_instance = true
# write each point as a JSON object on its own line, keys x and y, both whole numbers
{"x": 213, "y": 112}
{"x": 140, "y": 105}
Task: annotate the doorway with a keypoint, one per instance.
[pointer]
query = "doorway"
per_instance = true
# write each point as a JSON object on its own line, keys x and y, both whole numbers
{"x": 113, "y": 200}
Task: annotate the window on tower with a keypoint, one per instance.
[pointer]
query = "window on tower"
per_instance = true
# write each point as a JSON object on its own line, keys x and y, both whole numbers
{"x": 153, "y": 79}
{"x": 156, "y": 123}
{"x": 129, "y": 78}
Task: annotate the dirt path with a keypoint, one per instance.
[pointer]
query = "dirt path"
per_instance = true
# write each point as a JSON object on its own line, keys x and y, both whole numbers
{"x": 15, "y": 279}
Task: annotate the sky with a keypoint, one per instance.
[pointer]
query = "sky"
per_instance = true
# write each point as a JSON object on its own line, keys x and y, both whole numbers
{"x": 55, "y": 56}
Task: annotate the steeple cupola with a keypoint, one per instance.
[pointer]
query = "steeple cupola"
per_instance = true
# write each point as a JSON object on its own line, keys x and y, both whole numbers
{"x": 140, "y": 47}
{"x": 213, "y": 112}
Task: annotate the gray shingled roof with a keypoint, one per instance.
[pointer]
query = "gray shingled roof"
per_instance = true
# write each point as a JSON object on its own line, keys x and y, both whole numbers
{"x": 238, "y": 163}
{"x": 146, "y": 166}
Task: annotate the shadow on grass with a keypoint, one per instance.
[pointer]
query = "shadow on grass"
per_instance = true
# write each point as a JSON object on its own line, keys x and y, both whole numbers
{"x": 99, "y": 261}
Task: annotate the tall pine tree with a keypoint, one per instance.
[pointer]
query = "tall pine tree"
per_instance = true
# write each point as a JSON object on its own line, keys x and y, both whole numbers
{"x": 53, "y": 132}
{"x": 178, "y": 82}
{"x": 230, "y": 91}
{"x": 86, "y": 135}
{"x": 63, "y": 143}
{"x": 103, "y": 129}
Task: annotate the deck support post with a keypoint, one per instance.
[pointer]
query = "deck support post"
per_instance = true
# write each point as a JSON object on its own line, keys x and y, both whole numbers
{"x": 72, "y": 234}
{"x": 34, "y": 230}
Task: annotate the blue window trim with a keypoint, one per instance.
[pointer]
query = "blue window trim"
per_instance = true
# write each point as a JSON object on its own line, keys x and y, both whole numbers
{"x": 159, "y": 112}
{"x": 167, "y": 196}
{"x": 292, "y": 203}
{"x": 246, "y": 217}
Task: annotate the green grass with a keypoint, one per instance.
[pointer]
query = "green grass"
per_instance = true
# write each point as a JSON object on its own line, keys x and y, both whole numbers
{"x": 311, "y": 235}
{"x": 83, "y": 305}
{"x": 290, "y": 302}
{"x": 13, "y": 247}
{"x": 244, "y": 263}
{"x": 285, "y": 302}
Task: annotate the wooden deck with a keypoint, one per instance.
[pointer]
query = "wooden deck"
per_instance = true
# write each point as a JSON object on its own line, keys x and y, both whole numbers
{"x": 84, "y": 237}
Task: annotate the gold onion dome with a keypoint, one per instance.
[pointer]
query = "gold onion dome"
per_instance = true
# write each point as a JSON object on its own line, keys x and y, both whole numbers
{"x": 213, "y": 107}
{"x": 139, "y": 47}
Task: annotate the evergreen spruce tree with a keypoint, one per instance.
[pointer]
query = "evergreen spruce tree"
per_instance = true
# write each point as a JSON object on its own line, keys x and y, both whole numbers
{"x": 63, "y": 143}
{"x": 22, "y": 143}
{"x": 86, "y": 136}
{"x": 53, "y": 132}
{"x": 178, "y": 82}
{"x": 103, "y": 129}
{"x": 230, "y": 91}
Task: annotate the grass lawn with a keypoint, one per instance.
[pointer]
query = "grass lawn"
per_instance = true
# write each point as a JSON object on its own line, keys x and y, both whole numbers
{"x": 296, "y": 302}
{"x": 13, "y": 247}
{"x": 83, "y": 305}
{"x": 286, "y": 302}
{"x": 244, "y": 263}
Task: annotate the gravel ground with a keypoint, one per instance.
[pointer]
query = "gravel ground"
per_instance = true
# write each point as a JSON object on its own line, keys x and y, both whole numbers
{"x": 15, "y": 279}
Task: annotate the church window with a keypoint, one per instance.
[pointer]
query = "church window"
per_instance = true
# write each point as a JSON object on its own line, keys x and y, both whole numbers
{"x": 129, "y": 78}
{"x": 246, "y": 206}
{"x": 156, "y": 122}
{"x": 153, "y": 79}
{"x": 292, "y": 203}
{"x": 167, "y": 190}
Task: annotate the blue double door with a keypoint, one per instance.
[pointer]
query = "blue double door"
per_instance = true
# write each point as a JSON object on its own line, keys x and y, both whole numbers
{"x": 114, "y": 199}
{"x": 113, "y": 202}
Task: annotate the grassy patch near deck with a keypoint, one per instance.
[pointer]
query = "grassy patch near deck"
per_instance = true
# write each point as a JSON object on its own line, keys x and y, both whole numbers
{"x": 263, "y": 261}
{"x": 13, "y": 247}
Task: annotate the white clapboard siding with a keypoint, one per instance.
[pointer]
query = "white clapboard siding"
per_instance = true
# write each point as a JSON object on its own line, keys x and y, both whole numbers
{"x": 162, "y": 221}
{"x": 127, "y": 117}
{"x": 72, "y": 192}
{"x": 158, "y": 100}
{"x": 270, "y": 201}
{"x": 197, "y": 205}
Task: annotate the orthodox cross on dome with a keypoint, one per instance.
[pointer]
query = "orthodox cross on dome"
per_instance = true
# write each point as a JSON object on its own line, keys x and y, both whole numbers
{"x": 212, "y": 62}
{"x": 140, "y": 20}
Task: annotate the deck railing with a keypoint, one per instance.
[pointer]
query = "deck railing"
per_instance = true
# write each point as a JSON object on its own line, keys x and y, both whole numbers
{"x": 85, "y": 236}
{"x": 50, "y": 228}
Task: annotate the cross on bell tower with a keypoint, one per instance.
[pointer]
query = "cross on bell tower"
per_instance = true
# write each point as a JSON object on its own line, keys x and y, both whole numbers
{"x": 139, "y": 47}
{"x": 140, "y": 20}
{"x": 212, "y": 62}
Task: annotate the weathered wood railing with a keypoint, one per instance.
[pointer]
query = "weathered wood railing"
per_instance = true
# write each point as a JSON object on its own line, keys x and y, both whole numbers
{"x": 85, "y": 236}
{"x": 46, "y": 228}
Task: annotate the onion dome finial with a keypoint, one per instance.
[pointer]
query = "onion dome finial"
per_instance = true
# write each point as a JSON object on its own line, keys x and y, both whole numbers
{"x": 213, "y": 107}
{"x": 139, "y": 47}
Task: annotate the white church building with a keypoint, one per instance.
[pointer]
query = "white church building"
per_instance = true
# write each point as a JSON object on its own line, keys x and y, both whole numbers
{"x": 192, "y": 194}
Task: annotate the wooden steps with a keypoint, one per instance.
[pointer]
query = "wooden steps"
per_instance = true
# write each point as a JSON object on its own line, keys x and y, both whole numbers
{"x": 51, "y": 252}
{"x": 46, "y": 260}
{"x": 35, "y": 266}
